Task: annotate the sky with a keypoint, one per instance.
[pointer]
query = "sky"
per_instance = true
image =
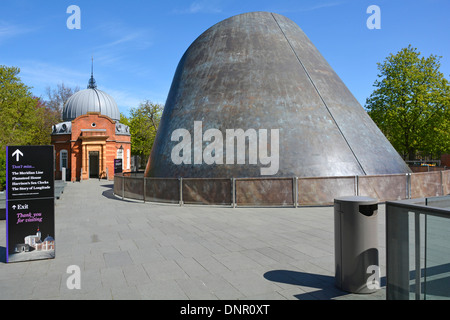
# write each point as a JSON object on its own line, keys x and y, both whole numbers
{"x": 136, "y": 44}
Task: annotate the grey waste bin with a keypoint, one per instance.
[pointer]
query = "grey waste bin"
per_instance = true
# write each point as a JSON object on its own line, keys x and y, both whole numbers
{"x": 356, "y": 245}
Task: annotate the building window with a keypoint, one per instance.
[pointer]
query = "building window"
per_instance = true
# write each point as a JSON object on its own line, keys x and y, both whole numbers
{"x": 128, "y": 159}
{"x": 63, "y": 159}
{"x": 120, "y": 155}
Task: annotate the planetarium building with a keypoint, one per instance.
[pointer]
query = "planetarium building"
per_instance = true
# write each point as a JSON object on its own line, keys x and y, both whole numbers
{"x": 90, "y": 136}
{"x": 257, "y": 77}
{"x": 256, "y": 116}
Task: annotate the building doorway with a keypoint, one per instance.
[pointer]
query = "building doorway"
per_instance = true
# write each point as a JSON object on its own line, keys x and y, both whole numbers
{"x": 94, "y": 164}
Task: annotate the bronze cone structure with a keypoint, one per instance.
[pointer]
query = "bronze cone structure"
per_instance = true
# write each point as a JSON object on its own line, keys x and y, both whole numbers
{"x": 260, "y": 71}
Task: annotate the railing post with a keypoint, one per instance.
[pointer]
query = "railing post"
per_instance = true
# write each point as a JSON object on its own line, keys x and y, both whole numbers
{"x": 409, "y": 185}
{"x": 233, "y": 192}
{"x": 181, "y": 191}
{"x": 123, "y": 186}
{"x": 145, "y": 187}
{"x": 295, "y": 191}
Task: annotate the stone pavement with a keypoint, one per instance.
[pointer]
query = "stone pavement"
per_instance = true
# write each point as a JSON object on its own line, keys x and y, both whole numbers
{"x": 134, "y": 250}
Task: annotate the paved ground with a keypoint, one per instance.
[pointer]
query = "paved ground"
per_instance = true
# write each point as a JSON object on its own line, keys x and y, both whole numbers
{"x": 135, "y": 250}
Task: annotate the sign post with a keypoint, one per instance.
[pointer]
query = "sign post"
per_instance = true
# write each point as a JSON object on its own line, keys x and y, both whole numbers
{"x": 30, "y": 203}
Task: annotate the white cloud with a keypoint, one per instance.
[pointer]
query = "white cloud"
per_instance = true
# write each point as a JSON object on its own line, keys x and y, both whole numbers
{"x": 306, "y": 7}
{"x": 118, "y": 42}
{"x": 40, "y": 75}
{"x": 136, "y": 38}
{"x": 321, "y": 5}
{"x": 8, "y": 30}
{"x": 118, "y": 33}
{"x": 201, "y": 6}
{"x": 124, "y": 99}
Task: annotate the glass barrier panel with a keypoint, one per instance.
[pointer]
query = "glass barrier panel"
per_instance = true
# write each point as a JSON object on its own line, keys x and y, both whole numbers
{"x": 402, "y": 254}
{"x": 437, "y": 272}
{"x": 383, "y": 187}
{"x": 118, "y": 185}
{"x": 426, "y": 184}
{"x": 323, "y": 191}
{"x": 162, "y": 190}
{"x": 264, "y": 192}
{"x": 134, "y": 188}
{"x": 446, "y": 182}
{"x": 207, "y": 191}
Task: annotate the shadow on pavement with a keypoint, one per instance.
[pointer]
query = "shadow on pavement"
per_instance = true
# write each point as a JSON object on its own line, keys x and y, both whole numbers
{"x": 325, "y": 284}
{"x": 109, "y": 193}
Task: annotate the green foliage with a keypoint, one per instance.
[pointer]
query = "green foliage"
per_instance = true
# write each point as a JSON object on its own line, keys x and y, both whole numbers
{"x": 25, "y": 119}
{"x": 143, "y": 123}
{"x": 2, "y": 170}
{"x": 17, "y": 107}
{"x": 411, "y": 103}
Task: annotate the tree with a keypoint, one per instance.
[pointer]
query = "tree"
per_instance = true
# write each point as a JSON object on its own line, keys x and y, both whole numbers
{"x": 45, "y": 118}
{"x": 17, "y": 109}
{"x": 143, "y": 123}
{"x": 411, "y": 103}
{"x": 26, "y": 119}
{"x": 58, "y": 97}
{"x": 20, "y": 112}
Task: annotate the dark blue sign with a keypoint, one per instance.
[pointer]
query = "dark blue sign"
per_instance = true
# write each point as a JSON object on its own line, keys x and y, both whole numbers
{"x": 30, "y": 203}
{"x": 117, "y": 166}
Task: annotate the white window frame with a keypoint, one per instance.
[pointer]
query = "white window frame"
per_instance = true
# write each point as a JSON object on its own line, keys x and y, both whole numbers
{"x": 128, "y": 159}
{"x": 63, "y": 153}
{"x": 120, "y": 156}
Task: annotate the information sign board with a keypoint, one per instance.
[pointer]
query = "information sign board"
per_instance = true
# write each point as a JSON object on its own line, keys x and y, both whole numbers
{"x": 117, "y": 166}
{"x": 30, "y": 203}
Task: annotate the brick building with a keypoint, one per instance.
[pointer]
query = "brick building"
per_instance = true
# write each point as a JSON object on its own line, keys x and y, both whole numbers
{"x": 445, "y": 160}
{"x": 90, "y": 136}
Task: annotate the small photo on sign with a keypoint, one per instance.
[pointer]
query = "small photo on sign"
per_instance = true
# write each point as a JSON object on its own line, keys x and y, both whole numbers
{"x": 31, "y": 232}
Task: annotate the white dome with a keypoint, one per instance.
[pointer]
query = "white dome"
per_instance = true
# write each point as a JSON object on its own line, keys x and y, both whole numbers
{"x": 90, "y": 100}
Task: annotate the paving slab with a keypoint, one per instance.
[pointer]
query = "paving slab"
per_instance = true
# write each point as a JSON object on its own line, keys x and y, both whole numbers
{"x": 133, "y": 250}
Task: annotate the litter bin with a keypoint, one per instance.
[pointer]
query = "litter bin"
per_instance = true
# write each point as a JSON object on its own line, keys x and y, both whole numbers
{"x": 356, "y": 244}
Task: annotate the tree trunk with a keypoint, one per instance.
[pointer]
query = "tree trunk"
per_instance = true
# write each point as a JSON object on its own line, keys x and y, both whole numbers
{"x": 411, "y": 154}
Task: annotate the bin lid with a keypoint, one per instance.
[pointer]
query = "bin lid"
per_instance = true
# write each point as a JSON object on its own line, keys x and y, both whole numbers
{"x": 357, "y": 199}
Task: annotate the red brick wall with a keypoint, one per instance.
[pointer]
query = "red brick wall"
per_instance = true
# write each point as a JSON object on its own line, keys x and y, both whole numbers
{"x": 86, "y": 121}
{"x": 61, "y": 142}
{"x": 76, "y": 160}
{"x": 73, "y": 144}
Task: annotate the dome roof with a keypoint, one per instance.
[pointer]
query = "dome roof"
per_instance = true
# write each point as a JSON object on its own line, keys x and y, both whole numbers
{"x": 49, "y": 238}
{"x": 90, "y": 100}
